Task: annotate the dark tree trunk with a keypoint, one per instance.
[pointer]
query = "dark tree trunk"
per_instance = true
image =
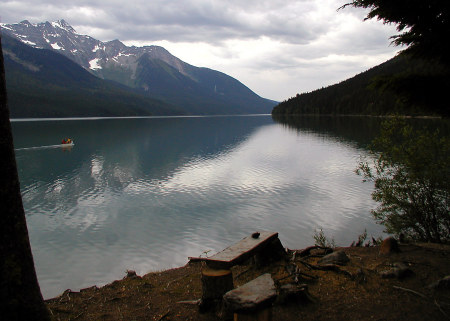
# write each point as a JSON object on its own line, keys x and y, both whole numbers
{"x": 20, "y": 295}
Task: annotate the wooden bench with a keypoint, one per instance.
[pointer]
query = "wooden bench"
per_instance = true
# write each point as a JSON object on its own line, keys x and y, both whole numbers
{"x": 217, "y": 278}
{"x": 253, "y": 300}
{"x": 243, "y": 250}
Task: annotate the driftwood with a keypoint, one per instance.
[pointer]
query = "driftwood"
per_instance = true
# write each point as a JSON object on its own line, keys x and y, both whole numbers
{"x": 307, "y": 251}
{"x": 326, "y": 267}
{"x": 190, "y": 302}
{"x": 409, "y": 290}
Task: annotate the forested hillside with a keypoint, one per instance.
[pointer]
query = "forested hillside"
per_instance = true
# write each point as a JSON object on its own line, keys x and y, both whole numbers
{"x": 402, "y": 85}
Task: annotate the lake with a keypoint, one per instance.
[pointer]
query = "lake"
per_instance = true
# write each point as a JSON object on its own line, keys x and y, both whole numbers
{"x": 145, "y": 193}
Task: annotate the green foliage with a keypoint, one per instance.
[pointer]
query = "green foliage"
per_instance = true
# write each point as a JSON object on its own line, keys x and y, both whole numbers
{"x": 321, "y": 240}
{"x": 411, "y": 172}
{"x": 362, "y": 240}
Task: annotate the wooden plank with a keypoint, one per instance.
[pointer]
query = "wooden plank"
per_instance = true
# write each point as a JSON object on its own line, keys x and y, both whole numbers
{"x": 240, "y": 251}
{"x": 252, "y": 296}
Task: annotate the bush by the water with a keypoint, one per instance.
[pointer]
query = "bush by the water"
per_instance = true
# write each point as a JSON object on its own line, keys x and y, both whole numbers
{"x": 411, "y": 171}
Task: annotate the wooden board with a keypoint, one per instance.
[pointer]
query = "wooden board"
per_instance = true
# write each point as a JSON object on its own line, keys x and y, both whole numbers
{"x": 256, "y": 294}
{"x": 240, "y": 251}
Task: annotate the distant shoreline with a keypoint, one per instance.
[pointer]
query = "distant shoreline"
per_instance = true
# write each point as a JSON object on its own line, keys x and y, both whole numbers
{"x": 130, "y": 117}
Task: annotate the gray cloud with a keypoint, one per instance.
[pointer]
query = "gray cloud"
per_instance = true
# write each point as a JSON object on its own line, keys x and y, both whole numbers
{"x": 250, "y": 40}
{"x": 193, "y": 20}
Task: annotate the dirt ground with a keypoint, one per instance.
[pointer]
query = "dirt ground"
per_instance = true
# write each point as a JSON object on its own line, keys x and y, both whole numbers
{"x": 355, "y": 291}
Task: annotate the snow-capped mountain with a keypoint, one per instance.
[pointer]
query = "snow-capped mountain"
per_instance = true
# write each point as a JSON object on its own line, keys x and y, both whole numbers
{"x": 90, "y": 53}
{"x": 149, "y": 69}
{"x": 43, "y": 83}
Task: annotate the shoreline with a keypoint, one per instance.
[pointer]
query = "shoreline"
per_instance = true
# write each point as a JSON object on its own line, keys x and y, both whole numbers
{"x": 356, "y": 292}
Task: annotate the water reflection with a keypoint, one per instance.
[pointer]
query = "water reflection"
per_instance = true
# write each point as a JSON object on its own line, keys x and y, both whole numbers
{"x": 145, "y": 194}
{"x": 359, "y": 130}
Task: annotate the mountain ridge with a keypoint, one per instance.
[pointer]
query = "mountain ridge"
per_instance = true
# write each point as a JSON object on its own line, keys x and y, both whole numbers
{"x": 42, "y": 83}
{"x": 196, "y": 90}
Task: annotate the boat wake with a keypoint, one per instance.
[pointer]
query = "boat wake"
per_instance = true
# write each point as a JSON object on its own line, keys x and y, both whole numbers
{"x": 40, "y": 147}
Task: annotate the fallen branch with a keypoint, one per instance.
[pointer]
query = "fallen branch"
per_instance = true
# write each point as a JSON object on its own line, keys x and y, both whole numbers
{"x": 440, "y": 309}
{"x": 308, "y": 250}
{"x": 409, "y": 290}
{"x": 423, "y": 296}
{"x": 192, "y": 302}
{"x": 77, "y": 316}
{"x": 175, "y": 280}
{"x": 326, "y": 267}
{"x": 309, "y": 266}
{"x": 308, "y": 275}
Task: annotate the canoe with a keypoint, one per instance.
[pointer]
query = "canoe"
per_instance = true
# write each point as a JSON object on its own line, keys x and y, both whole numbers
{"x": 67, "y": 144}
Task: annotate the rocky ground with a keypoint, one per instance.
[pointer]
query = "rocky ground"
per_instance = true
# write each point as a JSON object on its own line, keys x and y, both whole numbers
{"x": 369, "y": 286}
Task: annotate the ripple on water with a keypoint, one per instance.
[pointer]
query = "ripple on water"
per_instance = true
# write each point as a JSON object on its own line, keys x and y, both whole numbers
{"x": 114, "y": 209}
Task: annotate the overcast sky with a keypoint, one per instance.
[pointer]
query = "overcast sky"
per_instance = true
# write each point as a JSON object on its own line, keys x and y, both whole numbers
{"x": 277, "y": 48}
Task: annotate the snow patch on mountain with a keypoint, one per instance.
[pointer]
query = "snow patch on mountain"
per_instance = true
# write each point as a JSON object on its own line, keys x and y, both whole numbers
{"x": 55, "y": 46}
{"x": 5, "y": 26}
{"x": 94, "y": 64}
{"x": 30, "y": 43}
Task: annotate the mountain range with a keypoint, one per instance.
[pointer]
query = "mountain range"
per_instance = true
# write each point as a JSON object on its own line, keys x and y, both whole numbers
{"x": 54, "y": 71}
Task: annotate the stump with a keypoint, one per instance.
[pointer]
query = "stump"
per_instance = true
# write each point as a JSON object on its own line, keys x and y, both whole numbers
{"x": 215, "y": 283}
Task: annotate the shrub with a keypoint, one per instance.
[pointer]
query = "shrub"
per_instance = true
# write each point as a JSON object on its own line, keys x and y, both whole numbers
{"x": 410, "y": 169}
{"x": 321, "y": 240}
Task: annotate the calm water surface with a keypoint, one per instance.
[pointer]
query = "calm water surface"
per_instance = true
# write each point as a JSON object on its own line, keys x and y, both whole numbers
{"x": 144, "y": 194}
